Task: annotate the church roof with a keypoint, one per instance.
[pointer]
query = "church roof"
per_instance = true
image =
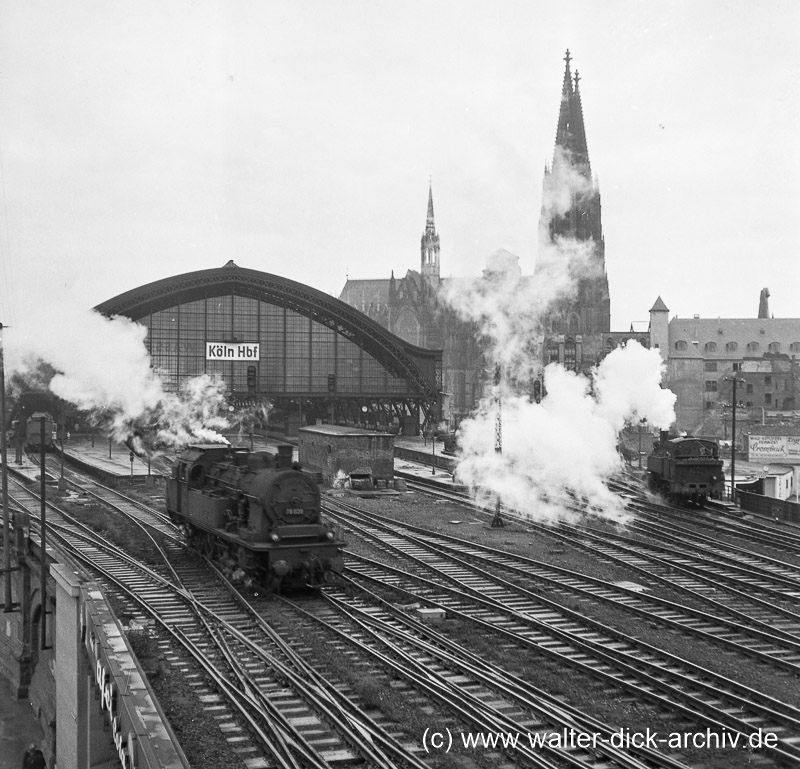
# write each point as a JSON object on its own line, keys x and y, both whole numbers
{"x": 362, "y": 294}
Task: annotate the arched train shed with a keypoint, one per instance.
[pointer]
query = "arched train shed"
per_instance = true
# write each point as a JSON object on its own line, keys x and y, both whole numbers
{"x": 277, "y": 341}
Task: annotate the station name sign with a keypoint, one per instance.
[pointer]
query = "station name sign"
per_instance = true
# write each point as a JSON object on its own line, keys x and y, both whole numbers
{"x": 231, "y": 351}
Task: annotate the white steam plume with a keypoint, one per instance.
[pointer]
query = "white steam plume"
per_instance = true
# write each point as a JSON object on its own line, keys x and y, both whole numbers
{"x": 568, "y": 443}
{"x": 103, "y": 367}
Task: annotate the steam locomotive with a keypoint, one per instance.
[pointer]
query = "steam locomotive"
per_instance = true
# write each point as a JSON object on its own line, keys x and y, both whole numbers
{"x": 686, "y": 469}
{"x": 256, "y": 514}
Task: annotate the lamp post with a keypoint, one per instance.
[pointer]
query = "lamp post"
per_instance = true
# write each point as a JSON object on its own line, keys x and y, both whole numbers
{"x": 433, "y": 451}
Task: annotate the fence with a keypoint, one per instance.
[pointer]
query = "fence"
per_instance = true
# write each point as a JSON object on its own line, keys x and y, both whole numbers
{"x": 769, "y": 506}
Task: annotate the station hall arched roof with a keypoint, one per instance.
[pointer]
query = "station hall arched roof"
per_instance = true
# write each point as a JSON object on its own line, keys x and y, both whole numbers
{"x": 417, "y": 365}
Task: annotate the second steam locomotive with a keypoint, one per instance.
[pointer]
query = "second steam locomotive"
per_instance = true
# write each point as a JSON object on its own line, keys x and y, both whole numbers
{"x": 256, "y": 514}
{"x": 686, "y": 469}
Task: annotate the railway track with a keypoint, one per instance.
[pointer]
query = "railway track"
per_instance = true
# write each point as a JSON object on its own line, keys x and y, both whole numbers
{"x": 488, "y": 700}
{"x": 237, "y": 644}
{"x": 710, "y": 577}
{"x": 277, "y": 706}
{"x": 468, "y": 706}
{"x": 737, "y": 632}
{"x": 573, "y": 639}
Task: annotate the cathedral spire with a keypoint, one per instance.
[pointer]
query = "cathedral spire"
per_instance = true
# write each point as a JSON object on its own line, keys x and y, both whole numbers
{"x": 429, "y": 226}
{"x": 429, "y": 265}
{"x": 571, "y": 133}
{"x": 571, "y": 212}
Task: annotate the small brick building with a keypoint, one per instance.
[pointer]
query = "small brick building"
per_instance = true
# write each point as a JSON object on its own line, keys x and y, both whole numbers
{"x": 337, "y": 451}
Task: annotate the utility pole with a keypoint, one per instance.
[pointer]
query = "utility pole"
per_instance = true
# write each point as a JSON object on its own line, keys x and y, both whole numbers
{"x": 43, "y": 535}
{"x": 641, "y": 422}
{"x": 7, "y": 600}
{"x": 735, "y": 380}
{"x": 497, "y": 521}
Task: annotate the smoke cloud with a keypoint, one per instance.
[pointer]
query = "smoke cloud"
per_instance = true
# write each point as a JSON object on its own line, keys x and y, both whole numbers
{"x": 565, "y": 446}
{"x": 102, "y": 366}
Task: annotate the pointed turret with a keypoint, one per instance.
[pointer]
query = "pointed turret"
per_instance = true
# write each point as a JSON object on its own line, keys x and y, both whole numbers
{"x": 429, "y": 264}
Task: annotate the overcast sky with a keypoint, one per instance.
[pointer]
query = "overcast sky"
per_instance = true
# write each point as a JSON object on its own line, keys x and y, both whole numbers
{"x": 145, "y": 139}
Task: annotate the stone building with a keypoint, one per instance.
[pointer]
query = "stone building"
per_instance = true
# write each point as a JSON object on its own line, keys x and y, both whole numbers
{"x": 411, "y": 308}
{"x": 703, "y": 355}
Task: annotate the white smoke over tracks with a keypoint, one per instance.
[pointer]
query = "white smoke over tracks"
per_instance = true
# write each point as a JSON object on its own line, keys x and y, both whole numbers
{"x": 566, "y": 446}
{"x": 103, "y": 367}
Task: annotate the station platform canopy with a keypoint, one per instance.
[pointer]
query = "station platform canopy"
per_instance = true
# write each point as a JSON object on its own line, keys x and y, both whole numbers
{"x": 280, "y": 342}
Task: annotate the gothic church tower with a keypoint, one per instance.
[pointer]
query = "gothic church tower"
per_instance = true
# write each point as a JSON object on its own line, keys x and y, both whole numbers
{"x": 429, "y": 264}
{"x": 576, "y": 224}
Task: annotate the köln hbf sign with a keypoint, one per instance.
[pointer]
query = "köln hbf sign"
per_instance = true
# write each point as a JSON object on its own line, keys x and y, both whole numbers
{"x": 231, "y": 351}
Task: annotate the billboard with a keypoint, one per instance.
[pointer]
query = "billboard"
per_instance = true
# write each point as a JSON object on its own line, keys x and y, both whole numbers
{"x": 774, "y": 448}
{"x": 231, "y": 351}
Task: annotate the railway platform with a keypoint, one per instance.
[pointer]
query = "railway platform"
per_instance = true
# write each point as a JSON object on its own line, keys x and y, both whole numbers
{"x": 114, "y": 461}
{"x": 108, "y": 457}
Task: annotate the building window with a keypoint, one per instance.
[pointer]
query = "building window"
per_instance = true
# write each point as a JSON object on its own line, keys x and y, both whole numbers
{"x": 736, "y": 366}
{"x": 752, "y": 347}
{"x": 711, "y": 365}
{"x": 768, "y": 399}
{"x": 774, "y": 346}
{"x": 794, "y": 347}
{"x": 711, "y": 385}
{"x": 749, "y": 404}
{"x": 731, "y": 347}
{"x": 711, "y": 346}
{"x": 570, "y": 356}
{"x": 749, "y": 388}
{"x": 709, "y": 405}
{"x": 552, "y": 352}
{"x": 680, "y": 345}
{"x": 573, "y": 324}
{"x": 767, "y": 381}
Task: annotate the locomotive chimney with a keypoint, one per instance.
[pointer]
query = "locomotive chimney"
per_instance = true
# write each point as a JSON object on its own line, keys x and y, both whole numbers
{"x": 283, "y": 459}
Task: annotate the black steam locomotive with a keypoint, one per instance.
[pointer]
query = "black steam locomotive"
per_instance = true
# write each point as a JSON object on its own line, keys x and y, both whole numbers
{"x": 686, "y": 469}
{"x": 256, "y": 514}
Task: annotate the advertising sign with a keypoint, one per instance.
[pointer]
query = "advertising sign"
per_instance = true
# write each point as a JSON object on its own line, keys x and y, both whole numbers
{"x": 231, "y": 351}
{"x": 774, "y": 447}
